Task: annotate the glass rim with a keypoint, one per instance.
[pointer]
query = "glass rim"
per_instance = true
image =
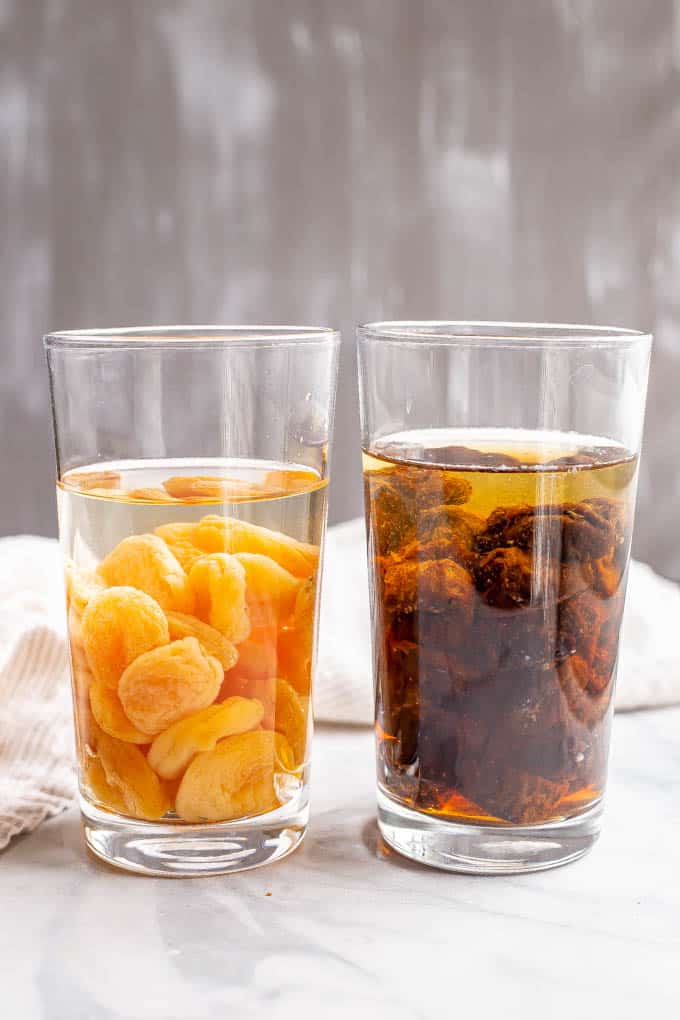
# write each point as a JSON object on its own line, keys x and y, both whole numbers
{"x": 132, "y": 338}
{"x": 498, "y": 334}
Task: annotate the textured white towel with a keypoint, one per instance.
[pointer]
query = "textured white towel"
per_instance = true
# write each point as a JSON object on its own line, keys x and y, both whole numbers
{"x": 36, "y": 736}
{"x": 649, "y": 661}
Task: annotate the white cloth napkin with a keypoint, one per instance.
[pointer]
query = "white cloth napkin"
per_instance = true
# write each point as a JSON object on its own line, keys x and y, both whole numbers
{"x": 36, "y": 736}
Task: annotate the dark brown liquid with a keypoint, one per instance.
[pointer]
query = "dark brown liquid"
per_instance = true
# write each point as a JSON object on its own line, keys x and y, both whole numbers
{"x": 498, "y": 578}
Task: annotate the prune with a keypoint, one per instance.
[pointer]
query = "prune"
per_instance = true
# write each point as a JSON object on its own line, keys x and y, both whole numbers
{"x": 169, "y": 683}
{"x": 439, "y": 586}
{"x": 574, "y": 531}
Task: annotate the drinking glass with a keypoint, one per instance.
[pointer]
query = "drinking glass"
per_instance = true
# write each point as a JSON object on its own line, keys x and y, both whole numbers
{"x": 192, "y": 477}
{"x": 500, "y": 465}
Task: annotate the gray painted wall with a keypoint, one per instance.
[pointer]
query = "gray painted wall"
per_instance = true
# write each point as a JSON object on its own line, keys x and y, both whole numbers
{"x": 335, "y": 161}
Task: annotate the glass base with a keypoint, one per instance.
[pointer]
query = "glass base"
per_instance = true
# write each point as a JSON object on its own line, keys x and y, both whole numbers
{"x": 488, "y": 849}
{"x": 191, "y": 851}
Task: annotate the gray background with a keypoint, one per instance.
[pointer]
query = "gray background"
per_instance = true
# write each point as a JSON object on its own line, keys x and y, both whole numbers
{"x": 331, "y": 161}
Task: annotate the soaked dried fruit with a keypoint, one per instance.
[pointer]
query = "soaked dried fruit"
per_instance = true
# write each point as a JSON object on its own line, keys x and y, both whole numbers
{"x": 262, "y": 689}
{"x": 104, "y": 793}
{"x": 219, "y": 584}
{"x": 168, "y": 684}
{"x": 226, "y": 534}
{"x": 291, "y": 718}
{"x": 128, "y": 771}
{"x": 150, "y": 495}
{"x": 118, "y": 625}
{"x": 85, "y": 481}
{"x": 270, "y": 589}
{"x": 109, "y": 715}
{"x": 179, "y": 539}
{"x": 296, "y": 640}
{"x": 203, "y": 487}
{"x": 172, "y": 750}
{"x": 80, "y": 587}
{"x": 236, "y": 778}
{"x": 145, "y": 562}
{"x": 214, "y": 643}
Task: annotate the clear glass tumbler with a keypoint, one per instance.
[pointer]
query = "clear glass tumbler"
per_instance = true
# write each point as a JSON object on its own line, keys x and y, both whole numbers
{"x": 500, "y": 467}
{"x": 192, "y": 479}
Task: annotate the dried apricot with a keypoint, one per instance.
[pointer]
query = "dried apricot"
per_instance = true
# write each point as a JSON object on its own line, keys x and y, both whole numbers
{"x": 236, "y": 778}
{"x": 227, "y": 534}
{"x": 84, "y": 481}
{"x": 128, "y": 771}
{"x": 101, "y": 790}
{"x": 202, "y": 487}
{"x": 215, "y": 644}
{"x": 109, "y": 715}
{"x": 81, "y": 585}
{"x": 150, "y": 495}
{"x": 219, "y": 585}
{"x": 179, "y": 539}
{"x": 145, "y": 562}
{"x": 270, "y": 589}
{"x": 296, "y": 640}
{"x": 291, "y": 718}
{"x": 173, "y": 749}
{"x": 118, "y": 625}
{"x": 169, "y": 683}
{"x": 262, "y": 689}
{"x": 257, "y": 656}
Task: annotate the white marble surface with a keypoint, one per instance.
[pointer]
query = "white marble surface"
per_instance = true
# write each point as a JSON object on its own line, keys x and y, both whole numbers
{"x": 349, "y": 931}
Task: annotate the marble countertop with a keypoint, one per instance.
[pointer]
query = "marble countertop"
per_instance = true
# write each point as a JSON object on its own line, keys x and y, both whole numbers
{"x": 343, "y": 929}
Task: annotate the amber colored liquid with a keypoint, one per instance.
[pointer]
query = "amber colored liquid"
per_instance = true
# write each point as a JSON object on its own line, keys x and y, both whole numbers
{"x": 498, "y": 564}
{"x": 101, "y": 507}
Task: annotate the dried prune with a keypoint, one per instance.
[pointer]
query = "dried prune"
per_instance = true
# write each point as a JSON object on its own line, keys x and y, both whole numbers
{"x": 439, "y": 586}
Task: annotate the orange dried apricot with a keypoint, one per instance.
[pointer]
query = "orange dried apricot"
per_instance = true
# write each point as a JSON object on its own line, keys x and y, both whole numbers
{"x": 262, "y": 689}
{"x": 150, "y": 495}
{"x": 291, "y": 718}
{"x": 257, "y": 655}
{"x": 296, "y": 640}
{"x": 219, "y": 585}
{"x": 109, "y": 715}
{"x": 173, "y": 749}
{"x": 178, "y": 536}
{"x": 118, "y": 625}
{"x": 145, "y": 562}
{"x": 84, "y": 481}
{"x": 169, "y": 683}
{"x": 128, "y": 771}
{"x": 227, "y": 534}
{"x": 215, "y": 643}
{"x": 236, "y": 778}
{"x": 81, "y": 585}
{"x": 100, "y": 789}
{"x": 202, "y": 487}
{"x": 270, "y": 588}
